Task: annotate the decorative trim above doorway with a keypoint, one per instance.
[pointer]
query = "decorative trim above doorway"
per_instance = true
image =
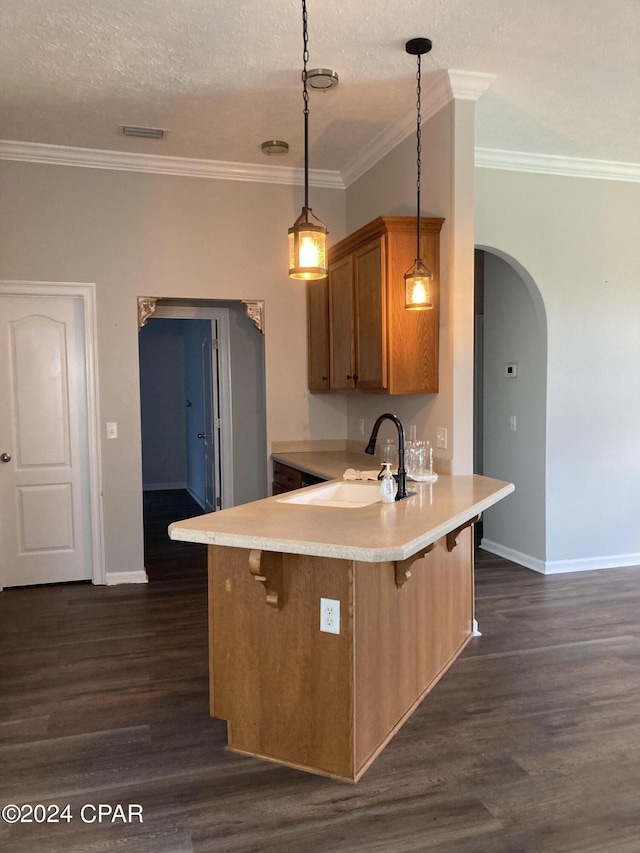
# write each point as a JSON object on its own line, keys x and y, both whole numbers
{"x": 146, "y": 309}
{"x": 255, "y": 312}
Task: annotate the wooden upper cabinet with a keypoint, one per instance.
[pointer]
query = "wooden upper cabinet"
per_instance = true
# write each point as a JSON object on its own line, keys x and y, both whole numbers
{"x": 373, "y": 344}
{"x": 341, "y": 315}
{"x": 370, "y": 316}
{"x": 318, "y": 334}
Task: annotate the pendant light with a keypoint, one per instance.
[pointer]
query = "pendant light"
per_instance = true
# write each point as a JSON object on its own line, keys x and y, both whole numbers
{"x": 417, "y": 280}
{"x": 307, "y": 238}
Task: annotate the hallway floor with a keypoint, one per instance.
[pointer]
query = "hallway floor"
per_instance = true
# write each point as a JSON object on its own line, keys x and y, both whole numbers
{"x": 530, "y": 743}
{"x": 165, "y": 559}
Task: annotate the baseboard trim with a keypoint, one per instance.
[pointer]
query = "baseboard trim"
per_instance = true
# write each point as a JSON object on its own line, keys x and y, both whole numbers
{"x": 559, "y": 567}
{"x": 591, "y": 564}
{"x": 162, "y": 487}
{"x": 515, "y": 556}
{"x": 113, "y": 578}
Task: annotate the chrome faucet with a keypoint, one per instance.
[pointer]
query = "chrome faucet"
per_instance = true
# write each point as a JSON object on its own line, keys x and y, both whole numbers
{"x": 371, "y": 449}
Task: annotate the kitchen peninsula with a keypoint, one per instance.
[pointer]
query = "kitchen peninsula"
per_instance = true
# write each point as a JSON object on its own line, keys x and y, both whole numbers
{"x": 399, "y": 579}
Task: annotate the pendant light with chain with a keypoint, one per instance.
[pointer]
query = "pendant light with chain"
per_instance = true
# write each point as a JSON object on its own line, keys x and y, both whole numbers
{"x": 307, "y": 239}
{"x": 417, "y": 280}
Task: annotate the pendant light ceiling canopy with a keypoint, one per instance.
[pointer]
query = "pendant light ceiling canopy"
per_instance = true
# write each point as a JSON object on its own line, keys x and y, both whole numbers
{"x": 308, "y": 234}
{"x": 275, "y": 146}
{"x": 322, "y": 79}
{"x": 417, "y": 280}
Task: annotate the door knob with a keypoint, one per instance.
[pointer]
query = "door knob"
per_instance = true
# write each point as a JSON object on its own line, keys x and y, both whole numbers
{"x": 203, "y": 435}
{"x": 5, "y": 457}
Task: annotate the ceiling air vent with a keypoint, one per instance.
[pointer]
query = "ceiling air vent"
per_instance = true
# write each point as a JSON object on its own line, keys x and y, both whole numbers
{"x": 143, "y": 132}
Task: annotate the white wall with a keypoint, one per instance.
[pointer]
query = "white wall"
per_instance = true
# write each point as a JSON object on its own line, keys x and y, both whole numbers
{"x": 578, "y": 239}
{"x": 163, "y": 408}
{"x": 165, "y": 236}
{"x": 512, "y": 334}
{"x": 447, "y": 186}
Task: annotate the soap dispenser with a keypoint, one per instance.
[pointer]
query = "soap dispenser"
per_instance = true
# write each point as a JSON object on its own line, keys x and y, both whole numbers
{"x": 388, "y": 485}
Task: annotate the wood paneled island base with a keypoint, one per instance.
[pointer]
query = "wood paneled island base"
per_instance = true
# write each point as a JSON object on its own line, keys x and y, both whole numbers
{"x": 329, "y": 703}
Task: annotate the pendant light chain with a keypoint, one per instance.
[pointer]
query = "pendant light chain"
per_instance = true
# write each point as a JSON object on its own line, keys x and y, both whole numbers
{"x": 417, "y": 279}
{"x": 418, "y": 152}
{"x": 305, "y": 98}
{"x": 308, "y": 234}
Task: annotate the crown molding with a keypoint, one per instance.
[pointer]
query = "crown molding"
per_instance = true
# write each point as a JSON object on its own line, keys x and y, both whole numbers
{"x": 549, "y": 164}
{"x": 469, "y": 85}
{"x": 124, "y": 161}
{"x": 441, "y": 94}
{"x": 446, "y": 87}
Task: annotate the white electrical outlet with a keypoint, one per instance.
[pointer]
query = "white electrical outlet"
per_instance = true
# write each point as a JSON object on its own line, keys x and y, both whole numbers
{"x": 512, "y": 423}
{"x": 330, "y": 615}
{"x": 441, "y": 437}
{"x": 112, "y": 429}
{"x": 361, "y": 426}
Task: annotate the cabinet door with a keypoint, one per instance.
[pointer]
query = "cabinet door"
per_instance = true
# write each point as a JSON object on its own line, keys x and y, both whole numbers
{"x": 370, "y": 316}
{"x": 412, "y": 335}
{"x": 285, "y": 479}
{"x": 341, "y": 323}
{"x": 318, "y": 334}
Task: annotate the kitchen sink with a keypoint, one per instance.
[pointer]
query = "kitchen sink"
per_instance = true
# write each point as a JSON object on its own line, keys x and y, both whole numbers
{"x": 344, "y": 495}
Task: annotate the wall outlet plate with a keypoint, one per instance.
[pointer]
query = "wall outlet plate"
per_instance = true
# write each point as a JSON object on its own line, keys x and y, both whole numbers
{"x": 330, "y": 615}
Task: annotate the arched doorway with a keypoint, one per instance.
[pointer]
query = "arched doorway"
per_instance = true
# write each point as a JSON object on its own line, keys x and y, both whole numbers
{"x": 510, "y": 405}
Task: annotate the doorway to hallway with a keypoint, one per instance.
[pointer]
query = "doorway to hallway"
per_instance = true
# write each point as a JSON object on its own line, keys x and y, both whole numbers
{"x": 186, "y": 400}
{"x": 204, "y": 432}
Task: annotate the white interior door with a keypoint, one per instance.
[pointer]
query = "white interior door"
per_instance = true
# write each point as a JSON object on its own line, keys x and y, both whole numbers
{"x": 45, "y": 520}
{"x": 211, "y": 427}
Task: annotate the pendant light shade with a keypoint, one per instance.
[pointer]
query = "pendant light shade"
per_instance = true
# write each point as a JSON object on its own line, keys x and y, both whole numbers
{"x": 417, "y": 287}
{"x": 308, "y": 234}
{"x": 417, "y": 280}
{"x": 307, "y": 248}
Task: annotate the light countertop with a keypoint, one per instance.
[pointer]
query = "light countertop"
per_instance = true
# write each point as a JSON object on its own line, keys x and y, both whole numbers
{"x": 372, "y": 534}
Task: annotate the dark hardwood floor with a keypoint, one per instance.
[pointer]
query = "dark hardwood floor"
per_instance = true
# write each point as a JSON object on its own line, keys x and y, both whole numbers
{"x": 165, "y": 559}
{"x": 531, "y": 743}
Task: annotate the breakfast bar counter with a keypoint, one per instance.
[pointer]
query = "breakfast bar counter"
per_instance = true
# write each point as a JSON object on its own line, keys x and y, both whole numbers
{"x": 329, "y": 625}
{"x": 371, "y": 533}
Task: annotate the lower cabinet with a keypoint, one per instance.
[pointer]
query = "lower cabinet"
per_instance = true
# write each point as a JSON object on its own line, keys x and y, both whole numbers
{"x": 287, "y": 479}
{"x": 323, "y": 702}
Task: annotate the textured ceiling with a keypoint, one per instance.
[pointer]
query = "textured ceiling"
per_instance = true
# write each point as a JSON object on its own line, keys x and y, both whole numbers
{"x": 222, "y": 76}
